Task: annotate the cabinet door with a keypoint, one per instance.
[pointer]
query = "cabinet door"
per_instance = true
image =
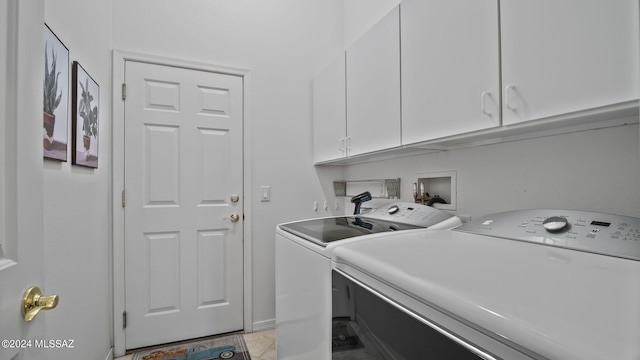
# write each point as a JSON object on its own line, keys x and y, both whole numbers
{"x": 565, "y": 56}
{"x": 373, "y": 88}
{"x": 450, "y": 67}
{"x": 329, "y": 117}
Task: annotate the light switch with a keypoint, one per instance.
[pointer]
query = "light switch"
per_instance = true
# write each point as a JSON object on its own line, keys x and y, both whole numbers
{"x": 265, "y": 193}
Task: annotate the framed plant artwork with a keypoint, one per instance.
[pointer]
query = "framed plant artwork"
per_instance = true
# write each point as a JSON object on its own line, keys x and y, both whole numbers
{"x": 55, "y": 114}
{"x": 86, "y": 103}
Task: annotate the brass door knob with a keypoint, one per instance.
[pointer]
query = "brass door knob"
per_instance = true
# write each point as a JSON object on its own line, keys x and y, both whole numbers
{"x": 235, "y": 217}
{"x": 33, "y": 301}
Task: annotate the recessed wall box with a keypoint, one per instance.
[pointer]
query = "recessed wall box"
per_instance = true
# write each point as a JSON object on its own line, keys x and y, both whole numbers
{"x": 441, "y": 184}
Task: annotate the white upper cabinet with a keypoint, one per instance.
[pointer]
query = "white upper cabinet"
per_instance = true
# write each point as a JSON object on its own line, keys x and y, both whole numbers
{"x": 373, "y": 88}
{"x": 450, "y": 68}
{"x": 564, "y": 56}
{"x": 329, "y": 113}
{"x": 436, "y": 71}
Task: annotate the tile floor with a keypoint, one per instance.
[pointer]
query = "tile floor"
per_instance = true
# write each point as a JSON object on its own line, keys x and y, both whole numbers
{"x": 262, "y": 345}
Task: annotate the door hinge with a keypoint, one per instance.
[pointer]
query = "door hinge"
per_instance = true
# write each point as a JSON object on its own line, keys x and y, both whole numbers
{"x": 124, "y": 198}
{"x": 124, "y": 319}
{"x": 124, "y": 91}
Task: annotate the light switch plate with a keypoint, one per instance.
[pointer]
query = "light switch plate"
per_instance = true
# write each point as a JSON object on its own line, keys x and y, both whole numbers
{"x": 265, "y": 193}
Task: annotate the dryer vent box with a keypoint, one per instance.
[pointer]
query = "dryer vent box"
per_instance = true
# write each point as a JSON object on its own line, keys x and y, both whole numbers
{"x": 442, "y": 184}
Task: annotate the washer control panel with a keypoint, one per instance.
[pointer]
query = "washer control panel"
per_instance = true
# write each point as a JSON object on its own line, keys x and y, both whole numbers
{"x": 606, "y": 234}
{"x": 413, "y": 214}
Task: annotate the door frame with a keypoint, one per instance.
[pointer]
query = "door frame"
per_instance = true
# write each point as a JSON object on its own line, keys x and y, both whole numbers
{"x": 120, "y": 57}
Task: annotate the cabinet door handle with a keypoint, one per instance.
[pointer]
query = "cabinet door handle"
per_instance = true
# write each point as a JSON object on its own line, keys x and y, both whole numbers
{"x": 348, "y": 146}
{"x": 483, "y": 103}
{"x": 341, "y": 144}
{"x": 507, "y": 97}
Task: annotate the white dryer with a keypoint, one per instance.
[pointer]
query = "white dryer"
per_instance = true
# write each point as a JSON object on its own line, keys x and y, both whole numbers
{"x": 303, "y": 269}
{"x": 530, "y": 284}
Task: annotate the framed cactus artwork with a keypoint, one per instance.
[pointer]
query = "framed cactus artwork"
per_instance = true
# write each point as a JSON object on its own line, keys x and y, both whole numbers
{"x": 55, "y": 114}
{"x": 85, "y": 109}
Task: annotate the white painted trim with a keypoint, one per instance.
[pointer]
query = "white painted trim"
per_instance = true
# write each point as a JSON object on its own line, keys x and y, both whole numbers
{"x": 4, "y": 30}
{"x": 118, "y": 214}
{"x": 119, "y": 59}
{"x": 248, "y": 205}
{"x": 264, "y": 325}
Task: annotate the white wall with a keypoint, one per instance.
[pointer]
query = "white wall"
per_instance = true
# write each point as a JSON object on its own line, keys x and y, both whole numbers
{"x": 593, "y": 170}
{"x": 77, "y": 199}
{"x": 283, "y": 43}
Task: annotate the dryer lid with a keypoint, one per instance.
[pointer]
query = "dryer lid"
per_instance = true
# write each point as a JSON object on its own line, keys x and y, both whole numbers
{"x": 556, "y": 302}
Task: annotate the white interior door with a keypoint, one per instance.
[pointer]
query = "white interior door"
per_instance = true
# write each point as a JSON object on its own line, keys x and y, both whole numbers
{"x": 21, "y": 207}
{"x": 183, "y": 166}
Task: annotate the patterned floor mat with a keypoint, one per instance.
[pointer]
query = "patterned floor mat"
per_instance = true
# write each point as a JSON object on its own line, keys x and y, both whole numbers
{"x": 226, "y": 347}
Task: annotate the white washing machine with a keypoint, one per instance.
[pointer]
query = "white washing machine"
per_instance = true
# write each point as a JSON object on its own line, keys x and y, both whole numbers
{"x": 303, "y": 269}
{"x": 530, "y": 284}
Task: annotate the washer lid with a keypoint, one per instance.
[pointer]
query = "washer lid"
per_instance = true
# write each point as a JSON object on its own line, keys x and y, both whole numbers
{"x": 393, "y": 216}
{"x": 558, "y": 303}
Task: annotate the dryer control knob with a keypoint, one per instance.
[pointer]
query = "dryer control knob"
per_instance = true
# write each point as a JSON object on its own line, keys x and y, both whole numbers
{"x": 394, "y": 209}
{"x": 555, "y": 223}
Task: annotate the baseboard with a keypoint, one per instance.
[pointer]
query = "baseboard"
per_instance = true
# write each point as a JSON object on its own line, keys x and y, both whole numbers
{"x": 110, "y": 355}
{"x": 264, "y": 325}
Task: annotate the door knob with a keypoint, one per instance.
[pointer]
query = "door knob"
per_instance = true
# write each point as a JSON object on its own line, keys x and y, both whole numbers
{"x": 33, "y": 301}
{"x": 235, "y": 198}
{"x": 235, "y": 217}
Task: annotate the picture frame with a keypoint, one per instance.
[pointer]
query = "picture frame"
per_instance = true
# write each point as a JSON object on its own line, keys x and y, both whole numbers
{"x": 55, "y": 114}
{"x": 85, "y": 110}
